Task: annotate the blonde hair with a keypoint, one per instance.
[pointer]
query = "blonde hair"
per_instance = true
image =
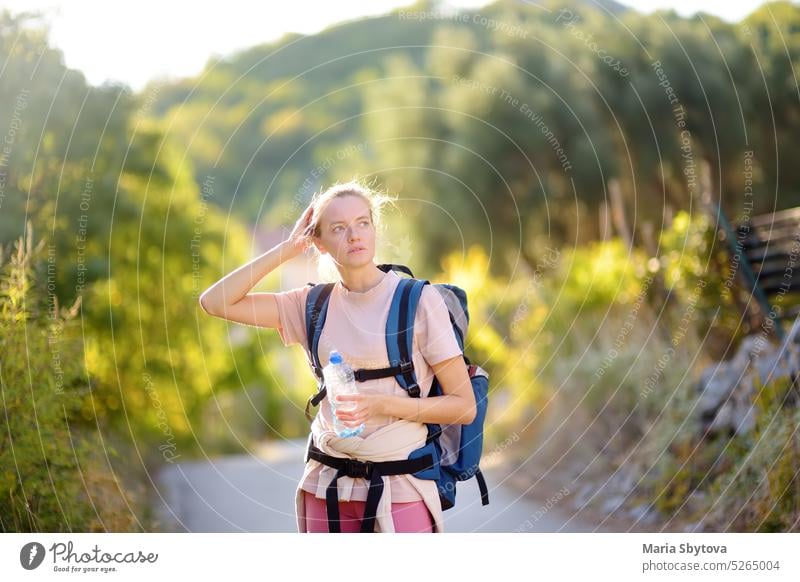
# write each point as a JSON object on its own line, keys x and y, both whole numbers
{"x": 376, "y": 202}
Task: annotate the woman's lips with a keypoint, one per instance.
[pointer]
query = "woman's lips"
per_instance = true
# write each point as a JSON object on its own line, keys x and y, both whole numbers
{"x": 355, "y": 251}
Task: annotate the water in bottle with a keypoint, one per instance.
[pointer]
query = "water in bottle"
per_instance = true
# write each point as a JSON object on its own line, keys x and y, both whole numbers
{"x": 339, "y": 379}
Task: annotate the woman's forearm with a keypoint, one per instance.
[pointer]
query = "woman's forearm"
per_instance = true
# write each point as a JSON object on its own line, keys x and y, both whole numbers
{"x": 444, "y": 409}
{"x": 236, "y": 284}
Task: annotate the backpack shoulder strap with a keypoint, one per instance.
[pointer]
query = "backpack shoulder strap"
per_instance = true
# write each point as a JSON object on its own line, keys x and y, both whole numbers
{"x": 400, "y": 332}
{"x": 316, "y": 311}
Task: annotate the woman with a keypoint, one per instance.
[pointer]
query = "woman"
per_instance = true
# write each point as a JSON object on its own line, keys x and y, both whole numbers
{"x": 340, "y": 224}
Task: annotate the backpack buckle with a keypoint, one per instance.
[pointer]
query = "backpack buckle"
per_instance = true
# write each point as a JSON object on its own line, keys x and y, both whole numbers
{"x": 407, "y": 367}
{"x": 355, "y": 468}
{"x": 413, "y": 390}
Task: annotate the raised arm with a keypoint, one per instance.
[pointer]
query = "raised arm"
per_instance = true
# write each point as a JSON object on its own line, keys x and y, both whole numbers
{"x": 230, "y": 297}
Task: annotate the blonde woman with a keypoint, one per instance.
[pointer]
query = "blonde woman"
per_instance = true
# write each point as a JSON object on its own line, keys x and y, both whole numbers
{"x": 341, "y": 225}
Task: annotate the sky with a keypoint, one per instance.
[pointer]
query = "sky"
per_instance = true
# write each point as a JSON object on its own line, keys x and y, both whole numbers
{"x": 134, "y": 42}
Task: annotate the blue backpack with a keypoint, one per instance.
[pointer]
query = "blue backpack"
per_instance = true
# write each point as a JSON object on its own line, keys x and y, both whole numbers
{"x": 451, "y": 452}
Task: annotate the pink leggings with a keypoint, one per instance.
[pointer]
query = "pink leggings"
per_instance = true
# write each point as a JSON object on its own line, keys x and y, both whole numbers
{"x": 413, "y": 517}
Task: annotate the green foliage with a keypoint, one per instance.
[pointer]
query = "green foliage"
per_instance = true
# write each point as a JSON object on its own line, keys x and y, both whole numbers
{"x": 435, "y": 107}
{"x": 697, "y": 270}
{"x": 55, "y": 476}
{"x": 133, "y": 238}
{"x": 741, "y": 482}
{"x": 146, "y": 200}
{"x": 765, "y": 471}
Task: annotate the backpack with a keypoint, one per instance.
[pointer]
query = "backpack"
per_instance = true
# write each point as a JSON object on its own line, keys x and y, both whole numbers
{"x": 455, "y": 448}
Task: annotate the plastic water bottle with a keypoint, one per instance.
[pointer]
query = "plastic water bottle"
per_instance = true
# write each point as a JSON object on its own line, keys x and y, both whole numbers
{"x": 339, "y": 379}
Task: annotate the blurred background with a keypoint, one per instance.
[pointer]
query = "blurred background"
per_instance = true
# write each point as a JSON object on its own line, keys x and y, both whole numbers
{"x": 570, "y": 164}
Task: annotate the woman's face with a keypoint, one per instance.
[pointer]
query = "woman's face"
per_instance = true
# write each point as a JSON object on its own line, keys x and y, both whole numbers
{"x": 347, "y": 232}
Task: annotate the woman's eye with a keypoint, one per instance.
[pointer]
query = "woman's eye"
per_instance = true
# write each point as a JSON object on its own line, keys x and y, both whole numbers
{"x": 340, "y": 227}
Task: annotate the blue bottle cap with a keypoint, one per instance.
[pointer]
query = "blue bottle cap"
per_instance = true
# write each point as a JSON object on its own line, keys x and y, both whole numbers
{"x": 336, "y": 357}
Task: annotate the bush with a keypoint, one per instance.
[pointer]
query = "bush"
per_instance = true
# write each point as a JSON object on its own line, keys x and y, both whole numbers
{"x": 760, "y": 491}
{"x": 53, "y": 475}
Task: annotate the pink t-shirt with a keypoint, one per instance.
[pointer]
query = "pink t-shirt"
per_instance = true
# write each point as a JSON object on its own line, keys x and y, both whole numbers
{"x": 355, "y": 326}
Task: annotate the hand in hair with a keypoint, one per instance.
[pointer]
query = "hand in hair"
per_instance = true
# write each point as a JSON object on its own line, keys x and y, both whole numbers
{"x": 300, "y": 237}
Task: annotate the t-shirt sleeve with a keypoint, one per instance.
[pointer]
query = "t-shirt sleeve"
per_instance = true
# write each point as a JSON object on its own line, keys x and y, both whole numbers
{"x": 292, "y": 314}
{"x": 436, "y": 338}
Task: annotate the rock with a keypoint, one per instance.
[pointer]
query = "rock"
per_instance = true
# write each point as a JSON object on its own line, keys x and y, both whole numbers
{"x": 642, "y": 512}
{"x": 696, "y": 502}
{"x": 726, "y": 388}
{"x": 612, "y": 504}
{"x": 582, "y": 495}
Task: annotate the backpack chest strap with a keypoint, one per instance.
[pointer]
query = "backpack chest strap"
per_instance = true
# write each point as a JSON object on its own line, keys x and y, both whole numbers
{"x": 364, "y": 374}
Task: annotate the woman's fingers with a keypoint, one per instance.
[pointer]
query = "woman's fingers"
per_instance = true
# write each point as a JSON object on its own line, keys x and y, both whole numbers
{"x": 302, "y": 224}
{"x": 349, "y": 420}
{"x": 352, "y": 416}
{"x": 307, "y": 220}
